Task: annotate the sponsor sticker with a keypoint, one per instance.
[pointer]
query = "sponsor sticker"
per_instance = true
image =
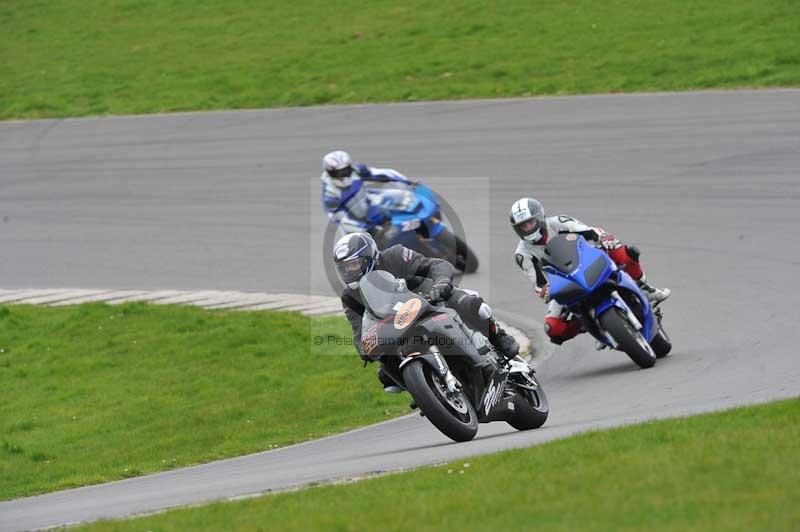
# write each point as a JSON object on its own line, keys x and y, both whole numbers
{"x": 571, "y": 236}
{"x": 369, "y": 340}
{"x": 407, "y": 313}
{"x": 341, "y": 251}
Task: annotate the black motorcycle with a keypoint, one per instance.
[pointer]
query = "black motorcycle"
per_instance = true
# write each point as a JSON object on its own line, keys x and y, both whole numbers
{"x": 452, "y": 373}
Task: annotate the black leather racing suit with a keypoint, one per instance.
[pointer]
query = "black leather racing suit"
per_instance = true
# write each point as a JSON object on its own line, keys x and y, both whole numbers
{"x": 420, "y": 273}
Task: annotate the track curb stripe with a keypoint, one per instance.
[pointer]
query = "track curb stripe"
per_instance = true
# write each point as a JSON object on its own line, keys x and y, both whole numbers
{"x": 309, "y": 305}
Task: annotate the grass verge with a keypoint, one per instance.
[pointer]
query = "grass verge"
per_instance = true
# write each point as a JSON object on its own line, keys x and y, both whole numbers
{"x": 59, "y": 58}
{"x": 735, "y": 470}
{"x": 94, "y": 393}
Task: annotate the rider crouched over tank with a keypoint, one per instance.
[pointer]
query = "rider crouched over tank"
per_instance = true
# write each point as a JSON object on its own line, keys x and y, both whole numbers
{"x": 343, "y": 196}
{"x": 534, "y": 228}
{"x": 356, "y": 254}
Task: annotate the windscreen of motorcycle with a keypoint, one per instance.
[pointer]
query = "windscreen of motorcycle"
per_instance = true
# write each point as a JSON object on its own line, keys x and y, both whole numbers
{"x": 382, "y": 294}
{"x": 395, "y": 200}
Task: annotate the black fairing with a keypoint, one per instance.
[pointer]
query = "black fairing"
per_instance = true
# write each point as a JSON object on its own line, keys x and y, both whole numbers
{"x": 434, "y": 329}
{"x": 562, "y": 253}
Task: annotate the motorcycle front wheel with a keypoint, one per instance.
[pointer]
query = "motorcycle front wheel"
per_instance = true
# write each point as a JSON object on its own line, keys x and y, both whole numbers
{"x": 452, "y": 414}
{"x": 629, "y": 339}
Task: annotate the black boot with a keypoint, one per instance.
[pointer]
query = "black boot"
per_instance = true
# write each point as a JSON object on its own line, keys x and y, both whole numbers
{"x": 504, "y": 343}
{"x": 389, "y": 386}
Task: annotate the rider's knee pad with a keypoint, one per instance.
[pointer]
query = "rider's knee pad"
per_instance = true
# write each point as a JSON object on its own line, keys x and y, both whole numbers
{"x": 560, "y": 330}
{"x": 554, "y": 327}
{"x": 624, "y": 260}
{"x": 469, "y": 303}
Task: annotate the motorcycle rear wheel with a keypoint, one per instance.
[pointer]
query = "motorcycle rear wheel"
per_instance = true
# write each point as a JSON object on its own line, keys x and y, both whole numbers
{"x": 454, "y": 250}
{"x": 466, "y": 259}
{"x": 661, "y": 343}
{"x": 530, "y": 409}
{"x": 455, "y": 417}
{"x": 629, "y": 339}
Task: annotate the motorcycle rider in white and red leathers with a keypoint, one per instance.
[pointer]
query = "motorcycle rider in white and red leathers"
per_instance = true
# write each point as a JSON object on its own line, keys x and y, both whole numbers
{"x": 527, "y": 217}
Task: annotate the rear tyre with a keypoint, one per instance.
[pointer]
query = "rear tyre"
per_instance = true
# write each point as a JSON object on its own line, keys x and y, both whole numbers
{"x": 466, "y": 260}
{"x": 455, "y": 250}
{"x": 530, "y": 409}
{"x": 629, "y": 339}
{"x": 661, "y": 343}
{"x": 453, "y": 415}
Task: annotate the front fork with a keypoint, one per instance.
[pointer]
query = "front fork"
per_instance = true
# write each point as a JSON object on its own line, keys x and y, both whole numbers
{"x": 614, "y": 301}
{"x": 437, "y": 362}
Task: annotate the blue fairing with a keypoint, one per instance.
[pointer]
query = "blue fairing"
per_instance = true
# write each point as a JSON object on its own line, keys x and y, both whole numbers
{"x": 593, "y": 270}
{"x": 569, "y": 289}
{"x": 408, "y": 210}
{"x": 649, "y": 326}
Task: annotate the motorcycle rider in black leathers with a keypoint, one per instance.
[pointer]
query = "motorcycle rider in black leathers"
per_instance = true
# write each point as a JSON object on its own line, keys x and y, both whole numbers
{"x": 356, "y": 254}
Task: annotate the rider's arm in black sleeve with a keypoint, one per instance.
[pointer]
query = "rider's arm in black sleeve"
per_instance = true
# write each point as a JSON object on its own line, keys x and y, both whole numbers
{"x": 354, "y": 312}
{"x": 407, "y": 263}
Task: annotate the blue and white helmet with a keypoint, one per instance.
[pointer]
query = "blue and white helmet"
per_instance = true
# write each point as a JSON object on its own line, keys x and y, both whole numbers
{"x": 354, "y": 255}
{"x": 339, "y": 167}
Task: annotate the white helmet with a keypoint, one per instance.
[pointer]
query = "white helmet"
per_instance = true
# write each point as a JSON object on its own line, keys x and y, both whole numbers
{"x": 339, "y": 167}
{"x": 527, "y": 219}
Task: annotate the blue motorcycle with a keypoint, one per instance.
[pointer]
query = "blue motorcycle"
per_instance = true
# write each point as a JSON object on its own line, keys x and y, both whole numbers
{"x": 411, "y": 215}
{"x": 606, "y": 299}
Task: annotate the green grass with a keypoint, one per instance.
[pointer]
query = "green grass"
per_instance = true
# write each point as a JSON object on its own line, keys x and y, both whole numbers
{"x": 736, "y": 470}
{"x": 94, "y": 393}
{"x": 65, "y": 58}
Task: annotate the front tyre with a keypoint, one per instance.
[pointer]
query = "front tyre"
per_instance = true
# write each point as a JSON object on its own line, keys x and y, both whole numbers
{"x": 452, "y": 414}
{"x": 629, "y": 339}
{"x": 530, "y": 409}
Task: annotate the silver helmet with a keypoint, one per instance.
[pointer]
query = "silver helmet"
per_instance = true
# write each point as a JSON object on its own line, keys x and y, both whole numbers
{"x": 339, "y": 167}
{"x": 527, "y": 217}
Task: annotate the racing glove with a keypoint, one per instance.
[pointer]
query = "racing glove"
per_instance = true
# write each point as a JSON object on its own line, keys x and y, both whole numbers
{"x": 441, "y": 291}
{"x": 609, "y": 242}
{"x": 543, "y": 292}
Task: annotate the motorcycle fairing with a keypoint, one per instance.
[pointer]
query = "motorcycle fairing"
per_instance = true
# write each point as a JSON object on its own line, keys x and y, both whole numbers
{"x": 493, "y": 404}
{"x": 576, "y": 270}
{"x": 411, "y": 210}
{"x": 625, "y": 282}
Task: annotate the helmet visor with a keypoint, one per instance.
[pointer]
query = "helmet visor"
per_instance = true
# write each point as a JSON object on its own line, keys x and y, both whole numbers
{"x": 352, "y": 270}
{"x": 529, "y": 229}
{"x": 340, "y": 173}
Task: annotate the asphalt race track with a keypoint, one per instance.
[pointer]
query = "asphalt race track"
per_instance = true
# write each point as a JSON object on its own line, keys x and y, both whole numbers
{"x": 707, "y": 184}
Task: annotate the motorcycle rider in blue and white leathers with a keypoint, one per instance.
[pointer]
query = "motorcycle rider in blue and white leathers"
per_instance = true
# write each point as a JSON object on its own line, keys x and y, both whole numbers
{"x": 343, "y": 196}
